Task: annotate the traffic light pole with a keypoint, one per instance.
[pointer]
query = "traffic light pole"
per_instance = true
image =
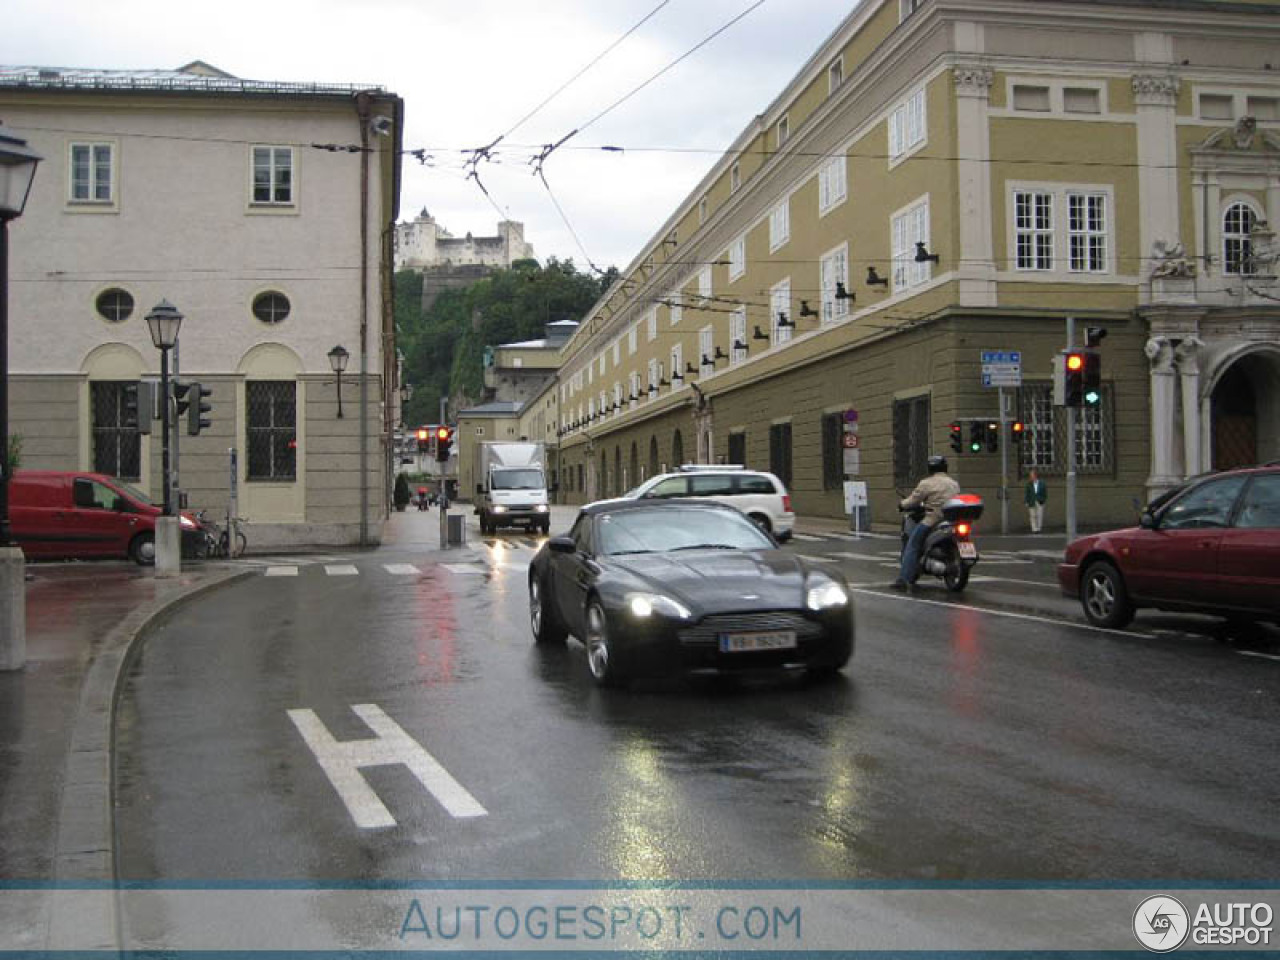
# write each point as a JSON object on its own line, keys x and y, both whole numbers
{"x": 1004, "y": 462}
{"x": 1071, "y": 447}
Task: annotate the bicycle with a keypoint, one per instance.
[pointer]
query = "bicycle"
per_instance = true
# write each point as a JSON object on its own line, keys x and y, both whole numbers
{"x": 219, "y": 541}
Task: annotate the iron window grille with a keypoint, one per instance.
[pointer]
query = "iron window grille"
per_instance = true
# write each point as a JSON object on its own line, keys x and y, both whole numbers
{"x": 1044, "y": 436}
{"x": 272, "y": 429}
{"x": 117, "y": 449}
{"x": 271, "y": 307}
{"x": 832, "y": 451}
{"x": 780, "y": 452}
{"x": 910, "y": 441}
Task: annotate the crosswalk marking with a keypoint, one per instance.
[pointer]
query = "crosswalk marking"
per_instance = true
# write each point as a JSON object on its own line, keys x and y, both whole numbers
{"x": 463, "y": 567}
{"x": 401, "y": 569}
{"x": 341, "y": 570}
{"x": 282, "y": 571}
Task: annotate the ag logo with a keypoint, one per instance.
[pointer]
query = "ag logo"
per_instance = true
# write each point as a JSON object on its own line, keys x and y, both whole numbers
{"x": 1161, "y": 924}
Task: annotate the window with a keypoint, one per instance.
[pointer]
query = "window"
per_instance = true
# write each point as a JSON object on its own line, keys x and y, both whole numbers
{"x": 738, "y": 336}
{"x": 634, "y": 384}
{"x": 670, "y": 487}
{"x": 677, "y": 363}
{"x": 784, "y": 131}
{"x": 737, "y": 258}
{"x": 907, "y": 7}
{"x": 617, "y": 396}
{"x": 911, "y": 448}
{"x": 273, "y": 175}
{"x": 600, "y": 364}
{"x": 1087, "y": 232}
{"x": 702, "y": 211}
{"x": 88, "y": 494}
{"x": 1237, "y": 247}
{"x": 117, "y": 449}
{"x": 114, "y": 305}
{"x": 780, "y": 452}
{"x": 835, "y": 75}
{"x": 738, "y": 449}
{"x": 833, "y": 451}
{"x": 655, "y": 375}
{"x": 631, "y": 341}
{"x": 704, "y": 283}
{"x": 1044, "y": 438}
{"x": 92, "y": 173}
{"x": 1263, "y": 109}
{"x": 651, "y": 323}
{"x": 1208, "y": 505}
{"x": 272, "y": 429}
{"x": 1081, "y": 100}
{"x": 909, "y": 228}
{"x": 780, "y": 225}
{"x": 907, "y": 126}
{"x": 779, "y": 307}
{"x": 675, "y": 304}
{"x": 617, "y": 352}
{"x": 832, "y": 183}
{"x": 1261, "y": 506}
{"x": 834, "y": 269}
{"x": 735, "y": 177}
{"x": 1214, "y": 106}
{"x": 754, "y": 483}
{"x": 1033, "y": 230}
{"x": 706, "y": 349}
{"x": 1031, "y": 98}
{"x": 711, "y": 485}
{"x": 271, "y": 307}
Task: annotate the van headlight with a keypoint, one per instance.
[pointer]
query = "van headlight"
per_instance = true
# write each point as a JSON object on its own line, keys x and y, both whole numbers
{"x": 499, "y": 508}
{"x": 644, "y": 605}
{"x": 824, "y": 593}
{"x": 541, "y": 508}
{"x": 186, "y": 523}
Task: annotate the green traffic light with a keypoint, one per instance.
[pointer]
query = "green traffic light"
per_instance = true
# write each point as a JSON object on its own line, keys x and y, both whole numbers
{"x": 1092, "y": 398}
{"x": 975, "y": 447}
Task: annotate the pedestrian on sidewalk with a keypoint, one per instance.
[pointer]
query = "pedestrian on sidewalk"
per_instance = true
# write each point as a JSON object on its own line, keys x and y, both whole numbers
{"x": 1036, "y": 494}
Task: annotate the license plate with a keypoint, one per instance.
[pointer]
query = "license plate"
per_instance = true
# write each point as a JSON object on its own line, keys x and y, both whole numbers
{"x": 968, "y": 551}
{"x": 739, "y": 642}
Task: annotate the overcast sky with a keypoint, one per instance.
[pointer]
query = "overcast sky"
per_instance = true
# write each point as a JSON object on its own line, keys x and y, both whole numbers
{"x": 470, "y": 70}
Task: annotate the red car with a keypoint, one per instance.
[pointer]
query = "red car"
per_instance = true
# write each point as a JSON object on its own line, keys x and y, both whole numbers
{"x": 1210, "y": 546}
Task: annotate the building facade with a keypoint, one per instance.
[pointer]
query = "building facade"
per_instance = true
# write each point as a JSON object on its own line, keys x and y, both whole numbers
{"x": 262, "y": 211}
{"x": 423, "y": 243}
{"x": 944, "y": 180}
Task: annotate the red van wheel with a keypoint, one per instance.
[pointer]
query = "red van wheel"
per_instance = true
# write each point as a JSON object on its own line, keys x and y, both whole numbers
{"x": 142, "y": 550}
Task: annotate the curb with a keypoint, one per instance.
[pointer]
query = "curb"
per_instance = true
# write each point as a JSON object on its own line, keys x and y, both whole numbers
{"x": 85, "y": 849}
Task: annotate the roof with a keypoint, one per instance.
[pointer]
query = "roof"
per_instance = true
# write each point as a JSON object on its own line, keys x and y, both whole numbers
{"x": 499, "y": 408}
{"x": 196, "y": 77}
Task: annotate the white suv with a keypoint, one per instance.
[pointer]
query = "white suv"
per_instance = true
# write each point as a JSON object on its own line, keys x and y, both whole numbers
{"x": 761, "y": 496}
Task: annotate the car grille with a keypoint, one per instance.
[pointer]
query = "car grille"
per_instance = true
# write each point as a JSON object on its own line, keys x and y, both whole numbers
{"x": 706, "y": 633}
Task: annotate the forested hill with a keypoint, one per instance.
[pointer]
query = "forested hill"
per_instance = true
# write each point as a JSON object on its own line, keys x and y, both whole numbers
{"x": 444, "y": 347}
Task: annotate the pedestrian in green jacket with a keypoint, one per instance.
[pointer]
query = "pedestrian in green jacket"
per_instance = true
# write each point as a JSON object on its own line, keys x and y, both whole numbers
{"x": 1036, "y": 494}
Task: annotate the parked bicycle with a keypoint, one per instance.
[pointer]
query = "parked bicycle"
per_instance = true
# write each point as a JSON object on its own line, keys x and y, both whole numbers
{"x": 223, "y": 541}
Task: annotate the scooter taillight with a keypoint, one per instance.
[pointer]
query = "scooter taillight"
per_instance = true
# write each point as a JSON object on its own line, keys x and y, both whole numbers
{"x": 962, "y": 529}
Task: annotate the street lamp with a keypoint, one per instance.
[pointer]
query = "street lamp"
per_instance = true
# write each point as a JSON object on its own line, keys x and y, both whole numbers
{"x": 338, "y": 357}
{"x": 163, "y": 321}
{"x": 17, "y": 171}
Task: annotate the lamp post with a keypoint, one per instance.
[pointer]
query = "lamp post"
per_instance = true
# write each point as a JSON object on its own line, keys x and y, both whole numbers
{"x": 164, "y": 321}
{"x": 17, "y": 171}
{"x": 338, "y": 358}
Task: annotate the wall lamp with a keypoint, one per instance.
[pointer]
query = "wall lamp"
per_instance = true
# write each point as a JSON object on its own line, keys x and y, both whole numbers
{"x": 875, "y": 280}
{"x": 338, "y": 358}
{"x": 785, "y": 322}
{"x": 805, "y": 311}
{"x": 720, "y": 354}
{"x": 761, "y": 335}
{"x": 841, "y": 292}
{"x": 923, "y": 255}
{"x": 690, "y": 368}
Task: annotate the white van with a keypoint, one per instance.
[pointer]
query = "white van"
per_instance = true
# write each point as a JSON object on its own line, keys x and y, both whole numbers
{"x": 761, "y": 496}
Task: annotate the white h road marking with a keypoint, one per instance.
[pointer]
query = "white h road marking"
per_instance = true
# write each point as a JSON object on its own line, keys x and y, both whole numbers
{"x": 401, "y": 569}
{"x": 341, "y": 570}
{"x": 341, "y": 761}
{"x": 281, "y": 571}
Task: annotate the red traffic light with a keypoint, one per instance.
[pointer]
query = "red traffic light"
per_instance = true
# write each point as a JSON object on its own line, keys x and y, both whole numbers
{"x": 442, "y": 433}
{"x": 422, "y": 433}
{"x": 1017, "y": 427}
{"x": 1075, "y": 362}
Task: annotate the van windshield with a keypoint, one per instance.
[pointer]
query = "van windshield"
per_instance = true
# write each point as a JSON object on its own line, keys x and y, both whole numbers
{"x": 131, "y": 491}
{"x": 518, "y": 480}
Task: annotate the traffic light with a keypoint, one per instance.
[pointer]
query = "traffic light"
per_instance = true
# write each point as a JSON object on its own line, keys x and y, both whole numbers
{"x": 197, "y": 408}
{"x": 976, "y": 439}
{"x": 181, "y": 398}
{"x": 444, "y": 440}
{"x": 422, "y": 439}
{"x": 957, "y": 439}
{"x": 1073, "y": 363}
{"x": 138, "y": 404}
{"x": 993, "y": 437}
{"x": 1016, "y": 430}
{"x": 1091, "y": 381}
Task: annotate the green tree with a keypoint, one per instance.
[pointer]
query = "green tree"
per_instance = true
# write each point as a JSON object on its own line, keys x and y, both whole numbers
{"x": 14, "y": 453}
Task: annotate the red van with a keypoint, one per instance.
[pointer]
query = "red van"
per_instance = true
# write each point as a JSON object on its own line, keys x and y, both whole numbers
{"x": 60, "y": 514}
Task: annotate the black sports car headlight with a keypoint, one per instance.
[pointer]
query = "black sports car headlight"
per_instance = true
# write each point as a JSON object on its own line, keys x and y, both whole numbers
{"x": 645, "y": 605}
{"x": 823, "y": 593}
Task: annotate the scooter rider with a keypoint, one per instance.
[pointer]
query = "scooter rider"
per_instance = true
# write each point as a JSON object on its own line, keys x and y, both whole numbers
{"x": 931, "y": 493}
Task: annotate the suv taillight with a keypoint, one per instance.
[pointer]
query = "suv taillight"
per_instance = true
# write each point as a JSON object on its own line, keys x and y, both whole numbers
{"x": 786, "y": 503}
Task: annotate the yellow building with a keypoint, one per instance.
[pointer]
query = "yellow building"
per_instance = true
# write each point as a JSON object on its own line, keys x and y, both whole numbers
{"x": 945, "y": 179}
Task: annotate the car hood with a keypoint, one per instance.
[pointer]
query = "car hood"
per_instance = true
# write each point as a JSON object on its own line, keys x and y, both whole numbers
{"x": 712, "y": 580}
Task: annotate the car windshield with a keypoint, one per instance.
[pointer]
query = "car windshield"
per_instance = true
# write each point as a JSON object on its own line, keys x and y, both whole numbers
{"x": 677, "y": 528}
{"x": 518, "y": 480}
{"x": 131, "y": 491}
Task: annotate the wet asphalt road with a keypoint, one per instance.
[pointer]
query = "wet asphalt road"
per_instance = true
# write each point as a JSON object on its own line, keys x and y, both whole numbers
{"x": 960, "y": 744}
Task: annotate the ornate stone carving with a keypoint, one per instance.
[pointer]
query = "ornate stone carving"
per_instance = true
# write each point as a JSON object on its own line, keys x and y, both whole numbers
{"x": 1187, "y": 354}
{"x": 974, "y": 80}
{"x": 1239, "y": 137}
{"x": 1156, "y": 89}
{"x": 1171, "y": 260}
{"x": 1159, "y": 352}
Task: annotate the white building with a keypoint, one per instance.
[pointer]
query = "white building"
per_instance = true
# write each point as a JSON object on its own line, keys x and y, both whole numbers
{"x": 423, "y": 243}
{"x": 246, "y": 205}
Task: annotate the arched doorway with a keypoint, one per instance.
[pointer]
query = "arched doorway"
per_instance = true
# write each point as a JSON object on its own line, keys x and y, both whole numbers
{"x": 618, "y": 480}
{"x": 1245, "y": 412}
{"x": 634, "y": 476}
{"x": 653, "y": 457}
{"x": 677, "y": 450}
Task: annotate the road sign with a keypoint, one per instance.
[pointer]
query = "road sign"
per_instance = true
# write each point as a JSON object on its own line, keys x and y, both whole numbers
{"x": 851, "y": 441}
{"x": 1001, "y": 368}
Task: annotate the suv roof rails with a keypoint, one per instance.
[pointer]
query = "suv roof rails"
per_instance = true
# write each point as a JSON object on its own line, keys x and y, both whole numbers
{"x": 695, "y": 467}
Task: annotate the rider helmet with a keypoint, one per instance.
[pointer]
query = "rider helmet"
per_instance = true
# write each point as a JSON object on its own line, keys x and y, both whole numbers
{"x": 937, "y": 464}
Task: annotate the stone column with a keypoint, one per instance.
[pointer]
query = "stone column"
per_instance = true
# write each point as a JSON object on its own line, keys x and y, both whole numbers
{"x": 1156, "y": 98}
{"x": 975, "y": 264}
{"x": 1159, "y": 352}
{"x": 1189, "y": 373}
{"x": 13, "y": 609}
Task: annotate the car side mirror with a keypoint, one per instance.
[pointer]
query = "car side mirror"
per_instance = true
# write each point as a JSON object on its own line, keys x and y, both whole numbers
{"x": 562, "y": 545}
{"x": 1147, "y": 521}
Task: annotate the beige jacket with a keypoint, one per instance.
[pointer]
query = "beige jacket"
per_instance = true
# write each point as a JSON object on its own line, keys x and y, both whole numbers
{"x": 932, "y": 492}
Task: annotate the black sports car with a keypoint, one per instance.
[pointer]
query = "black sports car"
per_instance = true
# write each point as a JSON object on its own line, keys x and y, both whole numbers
{"x": 659, "y": 587}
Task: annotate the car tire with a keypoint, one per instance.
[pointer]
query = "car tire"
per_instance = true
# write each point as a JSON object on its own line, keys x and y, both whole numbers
{"x": 142, "y": 550}
{"x": 1104, "y": 597}
{"x": 547, "y": 628}
{"x": 602, "y": 659}
{"x": 761, "y": 521}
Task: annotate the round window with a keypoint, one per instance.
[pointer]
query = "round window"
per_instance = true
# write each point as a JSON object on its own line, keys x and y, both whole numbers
{"x": 114, "y": 305}
{"x": 271, "y": 307}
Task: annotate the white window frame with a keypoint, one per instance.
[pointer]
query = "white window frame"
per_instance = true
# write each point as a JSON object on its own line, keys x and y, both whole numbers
{"x": 91, "y": 200}
{"x": 735, "y": 177}
{"x": 617, "y": 353}
{"x": 1087, "y": 233}
{"x": 677, "y": 363}
{"x": 1057, "y": 97}
{"x": 780, "y": 302}
{"x": 1243, "y": 239}
{"x": 273, "y": 203}
{"x": 676, "y": 307}
{"x": 633, "y": 381}
{"x": 702, "y": 211}
{"x": 651, "y": 324}
{"x": 617, "y": 396}
{"x": 908, "y": 126}
{"x": 907, "y": 7}
{"x": 833, "y": 184}
{"x": 835, "y": 74}
{"x": 591, "y": 373}
{"x": 737, "y": 334}
{"x": 738, "y": 258}
{"x": 655, "y": 374}
{"x": 1062, "y": 267}
{"x": 833, "y": 267}
{"x": 704, "y": 284}
{"x": 907, "y": 227}
{"x": 782, "y": 132}
{"x": 1037, "y": 234}
{"x": 706, "y": 351}
{"x": 780, "y": 225}
{"x": 631, "y": 341}
{"x": 601, "y": 363}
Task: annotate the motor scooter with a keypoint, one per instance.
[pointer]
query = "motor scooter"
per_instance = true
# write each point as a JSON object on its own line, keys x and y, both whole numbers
{"x": 949, "y": 550}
